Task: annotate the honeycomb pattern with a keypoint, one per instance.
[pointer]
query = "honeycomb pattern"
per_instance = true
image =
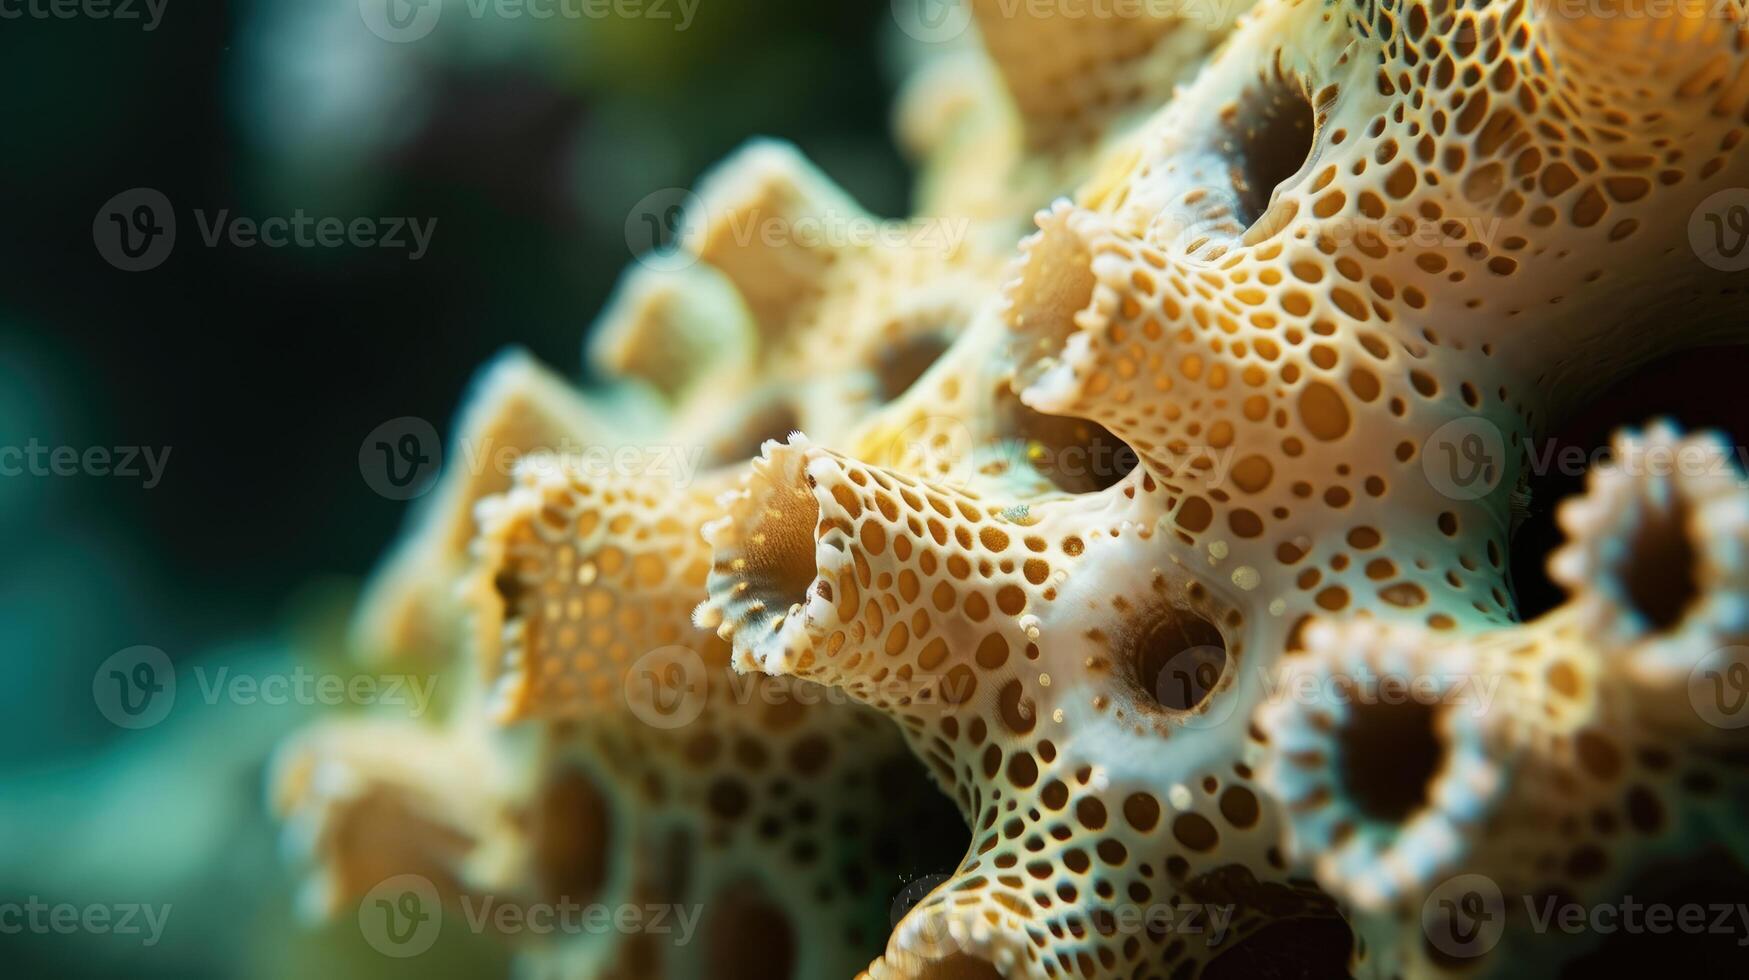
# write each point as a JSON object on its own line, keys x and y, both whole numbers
{"x": 1109, "y": 527}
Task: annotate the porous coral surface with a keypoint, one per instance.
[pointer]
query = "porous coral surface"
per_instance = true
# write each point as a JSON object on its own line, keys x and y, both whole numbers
{"x": 1171, "y": 540}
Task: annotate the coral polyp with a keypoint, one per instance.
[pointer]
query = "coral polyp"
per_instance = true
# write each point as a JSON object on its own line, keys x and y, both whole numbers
{"x": 1171, "y": 539}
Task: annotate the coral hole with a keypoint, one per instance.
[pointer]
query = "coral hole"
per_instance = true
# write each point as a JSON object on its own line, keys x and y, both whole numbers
{"x": 1073, "y": 455}
{"x": 746, "y": 438}
{"x": 959, "y": 966}
{"x": 573, "y": 835}
{"x": 1178, "y": 659}
{"x": 898, "y": 366}
{"x": 1303, "y": 934}
{"x": 1389, "y": 754}
{"x": 1271, "y": 133}
{"x": 1657, "y": 570}
{"x": 1310, "y": 948}
{"x": 748, "y": 937}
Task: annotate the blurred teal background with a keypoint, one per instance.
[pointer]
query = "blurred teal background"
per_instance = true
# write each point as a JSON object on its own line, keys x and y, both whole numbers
{"x": 260, "y": 371}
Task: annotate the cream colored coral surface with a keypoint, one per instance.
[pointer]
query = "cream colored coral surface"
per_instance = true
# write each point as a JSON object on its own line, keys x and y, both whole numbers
{"x": 1170, "y": 538}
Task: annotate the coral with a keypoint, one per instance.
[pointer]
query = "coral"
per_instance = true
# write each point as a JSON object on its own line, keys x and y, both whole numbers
{"x": 1174, "y": 540}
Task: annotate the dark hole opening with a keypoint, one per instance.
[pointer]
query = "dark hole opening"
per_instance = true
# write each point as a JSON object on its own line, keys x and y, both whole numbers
{"x": 574, "y": 835}
{"x": 897, "y": 367}
{"x": 1388, "y": 754}
{"x": 1658, "y": 569}
{"x": 1303, "y": 936}
{"x": 748, "y": 937}
{"x": 1271, "y": 137}
{"x": 960, "y": 966}
{"x": 1179, "y": 660}
{"x": 1696, "y": 388}
{"x": 1073, "y": 455}
{"x": 773, "y": 421}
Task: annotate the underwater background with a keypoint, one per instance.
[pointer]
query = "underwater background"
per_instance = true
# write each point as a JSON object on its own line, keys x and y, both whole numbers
{"x": 253, "y": 375}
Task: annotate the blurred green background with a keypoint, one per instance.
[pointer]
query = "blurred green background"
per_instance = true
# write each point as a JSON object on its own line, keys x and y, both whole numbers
{"x": 261, "y": 370}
